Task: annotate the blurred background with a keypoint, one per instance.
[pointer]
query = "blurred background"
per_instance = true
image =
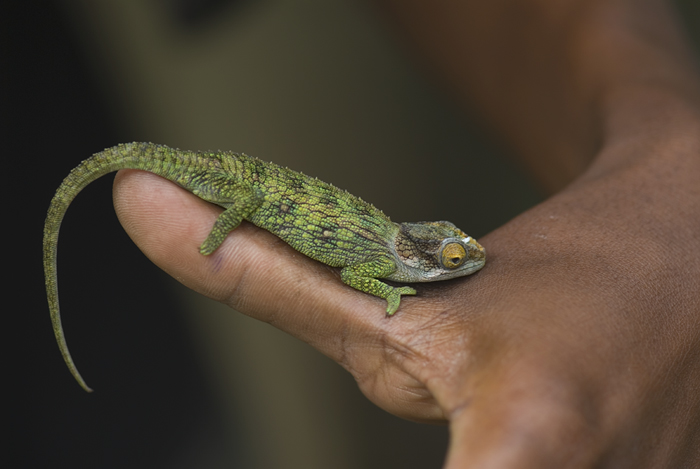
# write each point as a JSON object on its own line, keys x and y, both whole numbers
{"x": 329, "y": 88}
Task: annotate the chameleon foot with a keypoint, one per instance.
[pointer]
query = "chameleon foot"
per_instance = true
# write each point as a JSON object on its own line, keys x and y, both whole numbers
{"x": 394, "y": 298}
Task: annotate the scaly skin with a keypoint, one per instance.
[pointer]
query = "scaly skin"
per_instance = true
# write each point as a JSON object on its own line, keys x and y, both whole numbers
{"x": 315, "y": 218}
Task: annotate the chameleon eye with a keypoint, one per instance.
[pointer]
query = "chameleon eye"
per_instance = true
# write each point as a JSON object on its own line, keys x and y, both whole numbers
{"x": 453, "y": 255}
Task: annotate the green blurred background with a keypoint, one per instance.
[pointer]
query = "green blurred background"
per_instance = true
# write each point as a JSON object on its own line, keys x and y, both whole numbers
{"x": 329, "y": 88}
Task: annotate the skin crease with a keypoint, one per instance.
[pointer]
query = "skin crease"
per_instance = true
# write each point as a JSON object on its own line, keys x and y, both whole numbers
{"x": 578, "y": 345}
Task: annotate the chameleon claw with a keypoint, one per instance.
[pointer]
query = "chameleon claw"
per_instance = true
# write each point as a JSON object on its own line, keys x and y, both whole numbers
{"x": 207, "y": 248}
{"x": 394, "y": 298}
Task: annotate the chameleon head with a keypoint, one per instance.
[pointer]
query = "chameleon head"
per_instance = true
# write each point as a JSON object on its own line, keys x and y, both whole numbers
{"x": 430, "y": 251}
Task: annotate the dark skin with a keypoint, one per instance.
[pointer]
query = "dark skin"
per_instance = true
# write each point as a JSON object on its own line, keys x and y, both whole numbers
{"x": 578, "y": 345}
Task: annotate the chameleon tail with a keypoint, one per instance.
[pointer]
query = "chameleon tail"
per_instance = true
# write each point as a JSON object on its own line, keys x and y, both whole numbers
{"x": 157, "y": 159}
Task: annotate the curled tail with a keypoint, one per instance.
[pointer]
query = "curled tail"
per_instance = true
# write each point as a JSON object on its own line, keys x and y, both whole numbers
{"x": 164, "y": 161}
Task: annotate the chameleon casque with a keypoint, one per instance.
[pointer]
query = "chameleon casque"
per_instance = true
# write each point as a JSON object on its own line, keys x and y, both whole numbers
{"x": 315, "y": 218}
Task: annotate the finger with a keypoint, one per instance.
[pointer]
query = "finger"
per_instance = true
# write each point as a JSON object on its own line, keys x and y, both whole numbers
{"x": 256, "y": 273}
{"x": 253, "y": 271}
{"x": 526, "y": 418}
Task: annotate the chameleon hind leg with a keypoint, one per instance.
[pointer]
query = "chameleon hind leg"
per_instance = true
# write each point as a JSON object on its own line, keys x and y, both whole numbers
{"x": 363, "y": 277}
{"x": 243, "y": 202}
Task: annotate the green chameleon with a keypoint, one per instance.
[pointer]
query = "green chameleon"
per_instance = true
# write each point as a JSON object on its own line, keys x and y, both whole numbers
{"x": 315, "y": 218}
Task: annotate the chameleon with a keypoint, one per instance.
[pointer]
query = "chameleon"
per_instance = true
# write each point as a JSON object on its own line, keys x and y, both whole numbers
{"x": 315, "y": 218}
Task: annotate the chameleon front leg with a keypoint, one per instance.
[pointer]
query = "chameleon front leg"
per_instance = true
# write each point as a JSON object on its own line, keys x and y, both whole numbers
{"x": 363, "y": 277}
{"x": 244, "y": 201}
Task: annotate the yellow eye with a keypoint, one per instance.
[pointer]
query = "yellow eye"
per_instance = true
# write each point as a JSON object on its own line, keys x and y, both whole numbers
{"x": 453, "y": 255}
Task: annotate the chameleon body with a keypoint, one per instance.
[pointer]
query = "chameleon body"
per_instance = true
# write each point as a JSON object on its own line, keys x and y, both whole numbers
{"x": 315, "y": 218}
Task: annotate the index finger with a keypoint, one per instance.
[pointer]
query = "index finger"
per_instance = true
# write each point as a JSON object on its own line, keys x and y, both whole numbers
{"x": 256, "y": 273}
{"x": 253, "y": 271}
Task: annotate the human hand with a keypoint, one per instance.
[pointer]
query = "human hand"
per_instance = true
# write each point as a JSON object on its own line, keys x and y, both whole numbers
{"x": 576, "y": 345}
